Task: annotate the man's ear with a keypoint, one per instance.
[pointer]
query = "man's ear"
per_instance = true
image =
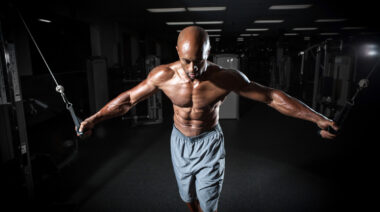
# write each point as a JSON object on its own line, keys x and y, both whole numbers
{"x": 178, "y": 52}
{"x": 207, "y": 53}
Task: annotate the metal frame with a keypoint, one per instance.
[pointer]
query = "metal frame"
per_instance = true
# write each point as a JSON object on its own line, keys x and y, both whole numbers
{"x": 154, "y": 113}
{"x": 15, "y": 109}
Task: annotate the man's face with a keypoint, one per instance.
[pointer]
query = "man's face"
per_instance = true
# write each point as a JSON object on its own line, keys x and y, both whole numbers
{"x": 193, "y": 59}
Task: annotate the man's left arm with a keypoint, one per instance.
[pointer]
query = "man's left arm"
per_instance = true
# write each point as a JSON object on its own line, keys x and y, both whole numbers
{"x": 282, "y": 102}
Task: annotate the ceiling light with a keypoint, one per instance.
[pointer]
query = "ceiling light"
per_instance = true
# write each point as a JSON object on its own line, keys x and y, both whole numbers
{"x": 217, "y": 39}
{"x": 369, "y": 33}
{"x": 180, "y": 23}
{"x": 370, "y": 46}
{"x": 352, "y": 28}
{"x": 202, "y": 9}
{"x": 240, "y": 39}
{"x": 370, "y": 49}
{"x": 166, "y": 10}
{"x": 290, "y": 7}
{"x": 209, "y": 22}
{"x": 372, "y": 53}
{"x": 290, "y": 34}
{"x": 305, "y": 28}
{"x": 329, "y": 33}
{"x": 330, "y": 20}
{"x": 255, "y": 35}
{"x": 216, "y": 35}
{"x": 44, "y": 20}
{"x": 213, "y": 30}
{"x": 268, "y": 21}
{"x": 256, "y": 29}
{"x": 245, "y": 35}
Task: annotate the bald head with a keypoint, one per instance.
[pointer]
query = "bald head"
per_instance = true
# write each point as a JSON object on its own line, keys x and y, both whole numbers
{"x": 195, "y": 33}
{"x": 194, "y": 38}
{"x": 193, "y": 47}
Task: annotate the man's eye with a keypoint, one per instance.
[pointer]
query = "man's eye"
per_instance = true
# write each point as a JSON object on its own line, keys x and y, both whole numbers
{"x": 199, "y": 62}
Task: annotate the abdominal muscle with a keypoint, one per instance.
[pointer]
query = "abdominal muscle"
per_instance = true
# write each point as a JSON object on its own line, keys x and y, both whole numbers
{"x": 192, "y": 122}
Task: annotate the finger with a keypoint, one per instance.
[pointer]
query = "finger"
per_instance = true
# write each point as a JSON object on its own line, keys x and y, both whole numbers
{"x": 326, "y": 134}
{"x": 330, "y": 137}
{"x": 79, "y": 132}
{"x": 76, "y": 130}
{"x": 86, "y": 135}
{"x": 335, "y": 127}
{"x": 81, "y": 127}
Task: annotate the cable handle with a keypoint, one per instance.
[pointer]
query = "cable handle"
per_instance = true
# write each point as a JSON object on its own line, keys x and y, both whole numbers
{"x": 341, "y": 117}
{"x": 69, "y": 106}
{"x": 75, "y": 118}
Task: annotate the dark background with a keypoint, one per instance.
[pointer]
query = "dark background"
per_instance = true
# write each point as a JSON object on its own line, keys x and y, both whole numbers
{"x": 274, "y": 163}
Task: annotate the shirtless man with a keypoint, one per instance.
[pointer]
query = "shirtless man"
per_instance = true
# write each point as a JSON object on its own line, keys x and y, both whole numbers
{"x": 197, "y": 88}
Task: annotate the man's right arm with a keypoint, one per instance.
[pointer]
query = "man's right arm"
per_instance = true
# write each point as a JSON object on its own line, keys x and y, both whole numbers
{"x": 126, "y": 100}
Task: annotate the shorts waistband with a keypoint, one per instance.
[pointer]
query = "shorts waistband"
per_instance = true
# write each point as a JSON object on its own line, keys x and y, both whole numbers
{"x": 197, "y": 137}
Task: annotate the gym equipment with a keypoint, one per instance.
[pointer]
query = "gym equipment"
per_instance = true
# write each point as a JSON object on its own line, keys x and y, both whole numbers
{"x": 155, "y": 101}
{"x": 341, "y": 116}
{"x": 152, "y": 113}
{"x": 230, "y": 106}
{"x": 14, "y": 139}
{"x": 97, "y": 83}
{"x": 280, "y": 70}
{"x": 59, "y": 88}
{"x": 333, "y": 80}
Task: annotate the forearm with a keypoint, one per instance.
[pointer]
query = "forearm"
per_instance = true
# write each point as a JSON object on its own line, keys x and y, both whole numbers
{"x": 291, "y": 106}
{"x": 116, "y": 107}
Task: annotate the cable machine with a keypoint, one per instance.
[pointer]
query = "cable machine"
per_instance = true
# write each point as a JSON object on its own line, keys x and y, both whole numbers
{"x": 334, "y": 91}
{"x": 14, "y": 145}
{"x": 333, "y": 75}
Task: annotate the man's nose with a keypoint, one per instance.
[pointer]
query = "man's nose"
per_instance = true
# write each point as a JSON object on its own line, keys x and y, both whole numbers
{"x": 193, "y": 67}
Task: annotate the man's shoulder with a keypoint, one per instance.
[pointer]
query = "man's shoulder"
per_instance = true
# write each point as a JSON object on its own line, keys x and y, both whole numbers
{"x": 161, "y": 73}
{"x": 228, "y": 78}
{"x": 222, "y": 72}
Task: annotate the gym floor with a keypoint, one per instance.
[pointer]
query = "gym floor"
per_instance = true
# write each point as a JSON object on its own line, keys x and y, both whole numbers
{"x": 273, "y": 163}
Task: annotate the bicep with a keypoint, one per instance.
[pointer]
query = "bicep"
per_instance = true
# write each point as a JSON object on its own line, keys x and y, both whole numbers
{"x": 156, "y": 78}
{"x": 132, "y": 96}
{"x": 124, "y": 101}
{"x": 142, "y": 91}
{"x": 252, "y": 90}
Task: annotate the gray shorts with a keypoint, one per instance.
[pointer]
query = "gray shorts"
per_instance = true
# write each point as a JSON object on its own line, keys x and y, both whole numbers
{"x": 198, "y": 164}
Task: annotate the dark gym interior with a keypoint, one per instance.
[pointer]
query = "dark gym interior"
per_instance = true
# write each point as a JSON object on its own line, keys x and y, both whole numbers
{"x": 324, "y": 53}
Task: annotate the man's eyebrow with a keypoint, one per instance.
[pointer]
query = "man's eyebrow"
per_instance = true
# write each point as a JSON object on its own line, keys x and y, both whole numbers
{"x": 185, "y": 59}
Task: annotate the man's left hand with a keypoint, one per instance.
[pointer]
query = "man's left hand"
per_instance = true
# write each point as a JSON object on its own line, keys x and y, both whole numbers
{"x": 324, "y": 124}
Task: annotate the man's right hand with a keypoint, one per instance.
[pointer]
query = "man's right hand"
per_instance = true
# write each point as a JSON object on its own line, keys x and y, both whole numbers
{"x": 86, "y": 127}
